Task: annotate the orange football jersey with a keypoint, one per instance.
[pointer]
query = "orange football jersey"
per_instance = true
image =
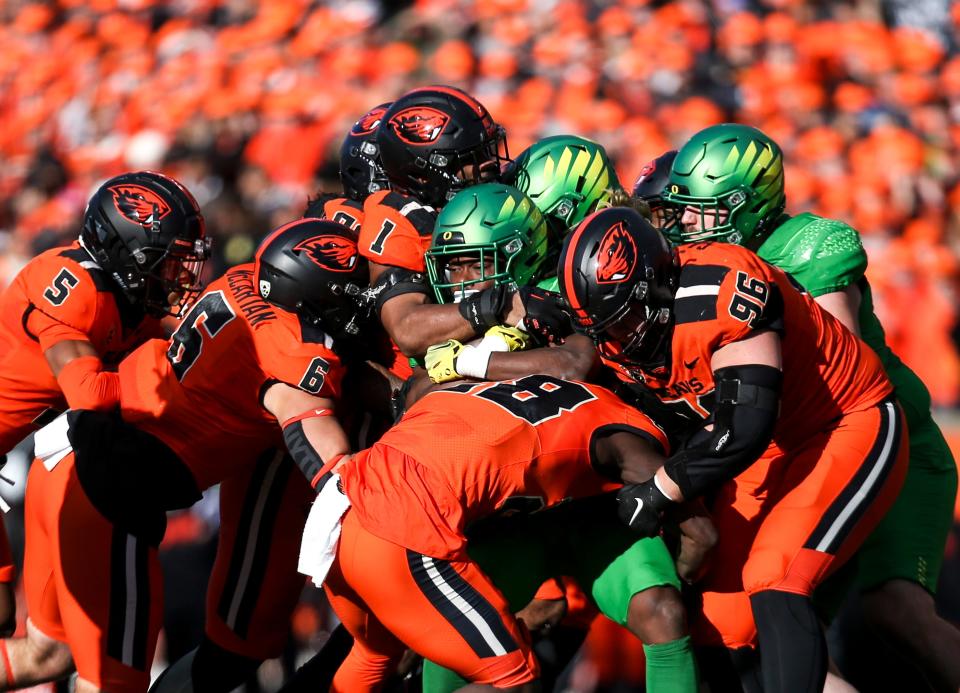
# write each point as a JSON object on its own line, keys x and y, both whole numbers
{"x": 344, "y": 211}
{"x": 59, "y": 295}
{"x": 200, "y": 393}
{"x": 726, "y": 293}
{"x": 396, "y": 230}
{"x": 463, "y": 453}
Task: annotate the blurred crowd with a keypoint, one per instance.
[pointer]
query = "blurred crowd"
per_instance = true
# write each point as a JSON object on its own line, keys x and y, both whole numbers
{"x": 247, "y": 102}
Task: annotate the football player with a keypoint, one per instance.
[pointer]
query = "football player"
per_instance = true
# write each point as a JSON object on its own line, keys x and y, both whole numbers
{"x": 649, "y": 187}
{"x": 433, "y": 141}
{"x": 727, "y": 184}
{"x": 799, "y": 439}
{"x": 568, "y": 178}
{"x": 361, "y": 173}
{"x": 493, "y": 233}
{"x": 491, "y": 236}
{"x": 402, "y": 574}
{"x": 251, "y": 366}
{"x": 74, "y": 311}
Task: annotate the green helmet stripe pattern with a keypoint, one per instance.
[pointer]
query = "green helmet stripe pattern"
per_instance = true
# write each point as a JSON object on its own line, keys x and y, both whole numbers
{"x": 494, "y": 224}
{"x": 729, "y": 169}
{"x": 567, "y": 177}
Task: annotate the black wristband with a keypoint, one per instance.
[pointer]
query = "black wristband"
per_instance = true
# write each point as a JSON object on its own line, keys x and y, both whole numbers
{"x": 303, "y": 454}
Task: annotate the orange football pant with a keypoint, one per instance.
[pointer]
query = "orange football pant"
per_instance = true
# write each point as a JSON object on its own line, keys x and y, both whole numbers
{"x": 88, "y": 583}
{"x": 254, "y": 587}
{"x": 389, "y": 597}
{"x": 797, "y": 514}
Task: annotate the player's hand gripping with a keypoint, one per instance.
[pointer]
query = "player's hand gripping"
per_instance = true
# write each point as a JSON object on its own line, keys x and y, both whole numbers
{"x": 441, "y": 361}
{"x": 451, "y": 360}
{"x": 545, "y": 317}
{"x": 641, "y": 507}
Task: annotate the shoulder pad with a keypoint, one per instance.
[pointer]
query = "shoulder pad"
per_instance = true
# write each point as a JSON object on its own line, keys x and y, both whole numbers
{"x": 396, "y": 281}
{"x": 64, "y": 289}
{"x": 823, "y": 255}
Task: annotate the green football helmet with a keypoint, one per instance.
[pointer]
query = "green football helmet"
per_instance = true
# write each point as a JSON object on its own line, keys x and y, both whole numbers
{"x": 727, "y": 169}
{"x": 494, "y": 223}
{"x": 567, "y": 177}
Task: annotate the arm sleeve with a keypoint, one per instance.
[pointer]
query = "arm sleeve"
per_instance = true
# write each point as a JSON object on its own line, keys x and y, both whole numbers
{"x": 396, "y": 231}
{"x": 748, "y": 402}
{"x": 87, "y": 386}
{"x": 748, "y": 300}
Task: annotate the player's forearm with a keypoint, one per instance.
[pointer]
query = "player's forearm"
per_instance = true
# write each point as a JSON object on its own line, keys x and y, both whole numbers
{"x": 565, "y": 361}
{"x": 316, "y": 444}
{"x": 698, "y": 537}
{"x": 424, "y": 325}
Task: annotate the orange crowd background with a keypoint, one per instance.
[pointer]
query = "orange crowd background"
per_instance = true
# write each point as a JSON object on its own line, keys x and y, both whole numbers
{"x": 247, "y": 103}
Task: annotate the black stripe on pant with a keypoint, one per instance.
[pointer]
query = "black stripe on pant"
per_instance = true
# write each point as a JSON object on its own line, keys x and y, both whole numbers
{"x": 475, "y": 602}
{"x": 261, "y": 550}
{"x": 888, "y": 414}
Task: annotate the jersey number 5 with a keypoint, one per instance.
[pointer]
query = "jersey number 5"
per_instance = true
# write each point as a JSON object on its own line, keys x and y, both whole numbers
{"x": 59, "y": 291}
{"x": 212, "y": 313}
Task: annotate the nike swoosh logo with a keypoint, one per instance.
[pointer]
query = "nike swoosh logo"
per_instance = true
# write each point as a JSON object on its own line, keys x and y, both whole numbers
{"x": 637, "y": 511}
{"x": 691, "y": 364}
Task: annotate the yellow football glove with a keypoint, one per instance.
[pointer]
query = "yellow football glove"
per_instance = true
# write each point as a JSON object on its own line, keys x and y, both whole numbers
{"x": 441, "y": 361}
{"x": 513, "y": 337}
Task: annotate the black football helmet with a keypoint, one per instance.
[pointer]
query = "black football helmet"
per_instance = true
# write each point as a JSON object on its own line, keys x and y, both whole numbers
{"x": 619, "y": 277}
{"x": 651, "y": 182}
{"x": 312, "y": 267}
{"x": 361, "y": 172}
{"x": 146, "y": 231}
{"x": 436, "y": 140}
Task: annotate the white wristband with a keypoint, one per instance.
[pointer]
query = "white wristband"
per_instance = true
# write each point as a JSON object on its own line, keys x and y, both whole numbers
{"x": 493, "y": 343}
{"x": 472, "y": 361}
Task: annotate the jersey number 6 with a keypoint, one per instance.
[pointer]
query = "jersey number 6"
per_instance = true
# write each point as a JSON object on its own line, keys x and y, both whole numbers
{"x": 212, "y": 312}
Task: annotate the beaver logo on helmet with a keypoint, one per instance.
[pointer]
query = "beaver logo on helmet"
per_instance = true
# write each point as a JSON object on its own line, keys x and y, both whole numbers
{"x": 139, "y": 204}
{"x": 618, "y": 255}
{"x": 419, "y": 124}
{"x": 330, "y": 252}
{"x": 369, "y": 122}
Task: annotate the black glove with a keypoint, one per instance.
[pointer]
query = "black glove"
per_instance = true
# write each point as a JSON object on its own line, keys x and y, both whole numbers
{"x": 641, "y": 507}
{"x": 482, "y": 309}
{"x": 546, "y": 319}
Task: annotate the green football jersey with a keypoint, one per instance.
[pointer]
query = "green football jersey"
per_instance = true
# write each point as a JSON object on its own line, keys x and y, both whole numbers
{"x": 824, "y": 256}
{"x": 550, "y": 284}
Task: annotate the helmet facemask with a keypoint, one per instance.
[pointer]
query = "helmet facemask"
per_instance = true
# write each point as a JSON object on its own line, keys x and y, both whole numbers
{"x": 635, "y": 335}
{"x": 499, "y": 262}
{"x": 461, "y": 169}
{"x": 711, "y": 211}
